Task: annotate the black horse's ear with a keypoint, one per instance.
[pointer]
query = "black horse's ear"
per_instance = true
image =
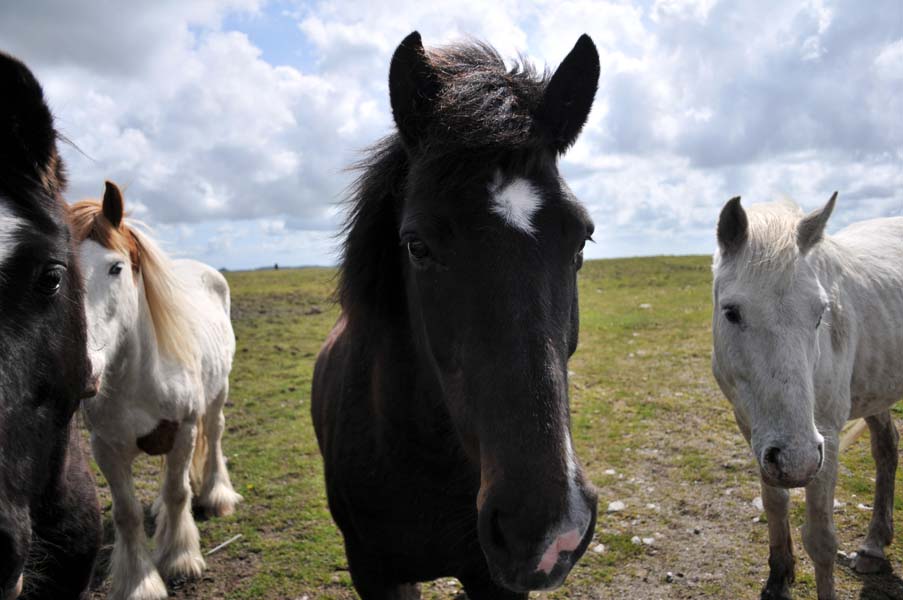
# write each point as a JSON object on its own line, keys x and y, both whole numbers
{"x": 569, "y": 96}
{"x": 27, "y": 136}
{"x": 811, "y": 229}
{"x": 733, "y": 227}
{"x": 113, "y": 204}
{"x": 413, "y": 86}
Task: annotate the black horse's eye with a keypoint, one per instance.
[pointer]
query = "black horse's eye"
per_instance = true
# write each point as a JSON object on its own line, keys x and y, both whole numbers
{"x": 732, "y": 314}
{"x": 50, "y": 280}
{"x": 116, "y": 269}
{"x": 418, "y": 250}
{"x": 578, "y": 258}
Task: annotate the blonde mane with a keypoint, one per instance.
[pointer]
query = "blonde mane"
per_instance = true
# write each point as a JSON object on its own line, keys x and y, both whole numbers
{"x": 167, "y": 300}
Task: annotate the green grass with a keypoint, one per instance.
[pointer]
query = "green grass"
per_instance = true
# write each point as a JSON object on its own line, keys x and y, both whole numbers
{"x": 644, "y": 404}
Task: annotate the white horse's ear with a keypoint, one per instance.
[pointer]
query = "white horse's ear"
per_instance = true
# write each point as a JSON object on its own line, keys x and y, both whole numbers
{"x": 733, "y": 227}
{"x": 811, "y": 229}
{"x": 113, "y": 204}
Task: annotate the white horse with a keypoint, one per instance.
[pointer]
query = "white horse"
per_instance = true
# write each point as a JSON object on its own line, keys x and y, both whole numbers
{"x": 808, "y": 333}
{"x": 161, "y": 344}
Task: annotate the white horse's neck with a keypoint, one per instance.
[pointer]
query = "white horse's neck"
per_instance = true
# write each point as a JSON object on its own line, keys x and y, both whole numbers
{"x": 830, "y": 255}
{"x": 143, "y": 364}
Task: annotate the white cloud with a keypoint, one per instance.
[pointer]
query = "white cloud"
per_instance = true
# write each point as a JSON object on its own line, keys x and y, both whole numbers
{"x": 699, "y": 101}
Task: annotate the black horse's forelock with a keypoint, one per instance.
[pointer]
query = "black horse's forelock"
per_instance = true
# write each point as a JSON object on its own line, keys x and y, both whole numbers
{"x": 482, "y": 104}
{"x": 484, "y": 113}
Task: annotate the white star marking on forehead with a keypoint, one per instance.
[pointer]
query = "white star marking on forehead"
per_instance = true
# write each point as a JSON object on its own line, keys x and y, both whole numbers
{"x": 10, "y": 224}
{"x": 515, "y": 201}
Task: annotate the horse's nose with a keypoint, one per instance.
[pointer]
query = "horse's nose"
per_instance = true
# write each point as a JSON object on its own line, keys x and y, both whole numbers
{"x": 771, "y": 459}
{"x": 791, "y": 467}
{"x": 560, "y": 549}
{"x": 92, "y": 388}
{"x": 533, "y": 546}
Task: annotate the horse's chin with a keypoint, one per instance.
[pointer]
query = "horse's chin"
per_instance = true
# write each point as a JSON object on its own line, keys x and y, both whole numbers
{"x": 786, "y": 483}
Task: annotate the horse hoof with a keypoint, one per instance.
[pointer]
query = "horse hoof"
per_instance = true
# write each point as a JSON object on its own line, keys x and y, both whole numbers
{"x": 223, "y": 510}
{"x": 185, "y": 566}
{"x": 151, "y": 587}
{"x": 220, "y": 501}
{"x": 776, "y": 593}
{"x": 867, "y": 564}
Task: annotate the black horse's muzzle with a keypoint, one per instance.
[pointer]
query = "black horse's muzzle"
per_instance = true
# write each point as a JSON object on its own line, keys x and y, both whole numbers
{"x": 521, "y": 561}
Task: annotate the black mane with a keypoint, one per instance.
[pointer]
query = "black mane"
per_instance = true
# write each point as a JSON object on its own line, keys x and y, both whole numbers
{"x": 483, "y": 110}
{"x": 367, "y": 277}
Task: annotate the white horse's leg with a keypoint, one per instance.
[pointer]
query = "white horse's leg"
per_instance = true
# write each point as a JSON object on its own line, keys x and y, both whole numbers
{"x": 178, "y": 551}
{"x": 217, "y": 497}
{"x": 870, "y": 557}
{"x": 819, "y": 536}
{"x": 776, "y": 502}
{"x": 133, "y": 574}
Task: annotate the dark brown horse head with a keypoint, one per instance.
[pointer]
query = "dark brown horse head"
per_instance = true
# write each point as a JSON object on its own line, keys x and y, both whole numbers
{"x": 485, "y": 241}
{"x": 43, "y": 353}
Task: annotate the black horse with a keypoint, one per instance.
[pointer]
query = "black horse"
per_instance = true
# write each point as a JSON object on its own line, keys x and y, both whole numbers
{"x": 440, "y": 399}
{"x": 50, "y": 527}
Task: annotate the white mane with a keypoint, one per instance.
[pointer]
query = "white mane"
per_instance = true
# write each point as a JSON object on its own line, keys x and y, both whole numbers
{"x": 771, "y": 244}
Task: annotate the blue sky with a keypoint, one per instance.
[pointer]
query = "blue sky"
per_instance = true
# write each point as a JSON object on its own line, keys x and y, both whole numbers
{"x": 230, "y": 122}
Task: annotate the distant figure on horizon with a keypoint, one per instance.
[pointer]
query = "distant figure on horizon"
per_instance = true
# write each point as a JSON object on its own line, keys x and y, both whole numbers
{"x": 276, "y": 267}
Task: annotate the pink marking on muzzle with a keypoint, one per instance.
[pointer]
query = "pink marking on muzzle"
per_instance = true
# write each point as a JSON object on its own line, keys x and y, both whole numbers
{"x": 566, "y": 542}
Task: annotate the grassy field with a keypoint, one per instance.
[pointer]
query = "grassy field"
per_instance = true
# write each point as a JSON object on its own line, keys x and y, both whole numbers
{"x": 649, "y": 424}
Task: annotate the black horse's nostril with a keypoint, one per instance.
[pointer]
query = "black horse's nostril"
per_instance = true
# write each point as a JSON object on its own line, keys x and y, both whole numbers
{"x": 771, "y": 456}
{"x": 498, "y": 537}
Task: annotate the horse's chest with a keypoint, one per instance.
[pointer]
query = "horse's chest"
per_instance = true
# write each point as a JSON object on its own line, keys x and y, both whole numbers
{"x": 409, "y": 511}
{"x": 160, "y": 440}
{"x": 147, "y": 421}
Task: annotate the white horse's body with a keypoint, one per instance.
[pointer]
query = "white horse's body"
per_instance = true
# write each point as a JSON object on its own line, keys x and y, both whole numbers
{"x": 793, "y": 381}
{"x": 870, "y": 283}
{"x": 161, "y": 345}
{"x": 161, "y": 388}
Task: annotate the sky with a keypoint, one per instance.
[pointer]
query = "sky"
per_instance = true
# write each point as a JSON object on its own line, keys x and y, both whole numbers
{"x": 230, "y": 123}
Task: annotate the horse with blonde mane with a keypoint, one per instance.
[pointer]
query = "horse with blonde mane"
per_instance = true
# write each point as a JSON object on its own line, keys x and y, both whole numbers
{"x": 161, "y": 344}
{"x": 808, "y": 333}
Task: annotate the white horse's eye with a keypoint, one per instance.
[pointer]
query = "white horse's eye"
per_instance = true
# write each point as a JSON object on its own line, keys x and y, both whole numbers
{"x": 732, "y": 314}
{"x": 116, "y": 269}
{"x": 821, "y": 315}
